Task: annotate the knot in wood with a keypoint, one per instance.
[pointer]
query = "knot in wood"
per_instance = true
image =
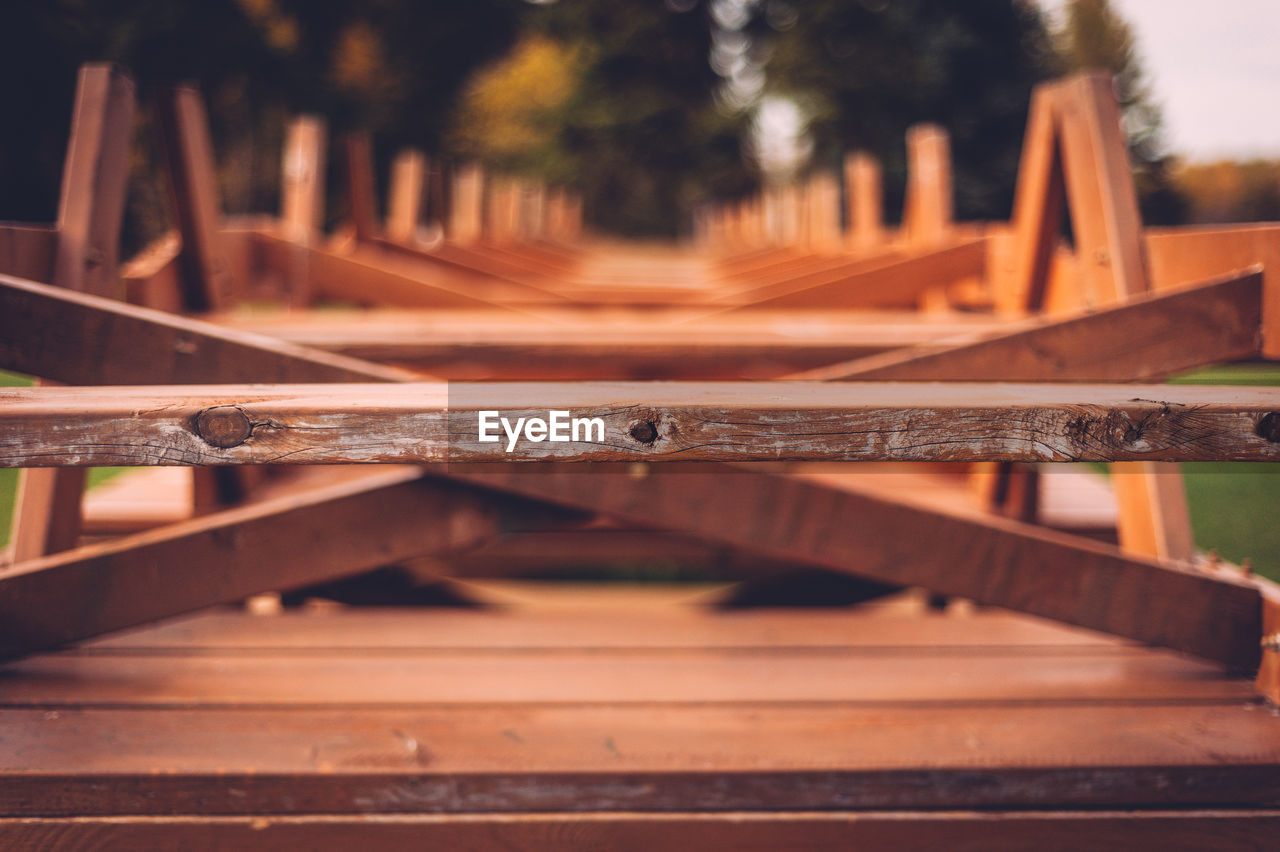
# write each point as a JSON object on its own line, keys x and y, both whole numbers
{"x": 223, "y": 426}
{"x": 644, "y": 431}
{"x": 1269, "y": 427}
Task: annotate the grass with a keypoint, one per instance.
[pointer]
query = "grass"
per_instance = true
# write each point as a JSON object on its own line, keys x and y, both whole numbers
{"x": 9, "y": 476}
{"x": 1235, "y": 507}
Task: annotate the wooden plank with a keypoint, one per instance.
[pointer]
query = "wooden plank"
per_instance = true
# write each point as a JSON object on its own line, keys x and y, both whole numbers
{"x": 547, "y": 624}
{"x": 90, "y": 214}
{"x": 43, "y": 331}
{"x": 153, "y": 277}
{"x": 928, "y": 214}
{"x": 864, "y": 197}
{"x": 466, "y": 205}
{"x": 568, "y": 676}
{"x": 376, "y": 275}
{"x": 303, "y": 178}
{"x": 361, "y": 194}
{"x": 846, "y": 523}
{"x": 91, "y": 209}
{"x": 207, "y": 281}
{"x": 1178, "y": 256}
{"x": 27, "y": 250}
{"x": 1100, "y": 189}
{"x": 1149, "y": 337}
{"x": 893, "y": 282}
{"x": 834, "y": 830}
{"x": 1037, "y": 208}
{"x": 1267, "y": 682}
{"x": 230, "y": 554}
{"x": 655, "y": 421}
{"x": 475, "y": 345}
{"x": 408, "y": 174}
{"x": 520, "y": 758}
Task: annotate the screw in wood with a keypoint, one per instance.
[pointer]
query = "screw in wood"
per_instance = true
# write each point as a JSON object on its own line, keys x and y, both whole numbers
{"x": 223, "y": 426}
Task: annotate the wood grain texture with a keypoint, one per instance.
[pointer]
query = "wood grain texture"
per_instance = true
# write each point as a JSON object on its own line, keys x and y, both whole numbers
{"x": 654, "y": 421}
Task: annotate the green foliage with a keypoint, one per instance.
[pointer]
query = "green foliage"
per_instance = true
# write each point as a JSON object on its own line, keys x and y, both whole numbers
{"x": 866, "y": 71}
{"x": 640, "y": 136}
{"x": 392, "y": 66}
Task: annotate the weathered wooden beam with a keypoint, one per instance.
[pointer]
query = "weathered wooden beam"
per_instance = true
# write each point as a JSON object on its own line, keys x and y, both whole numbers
{"x": 1146, "y": 338}
{"x": 657, "y": 421}
{"x": 874, "y": 531}
{"x": 228, "y": 555}
{"x": 44, "y": 330}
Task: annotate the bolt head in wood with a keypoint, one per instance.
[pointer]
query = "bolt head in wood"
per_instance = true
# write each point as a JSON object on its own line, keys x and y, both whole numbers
{"x": 224, "y": 426}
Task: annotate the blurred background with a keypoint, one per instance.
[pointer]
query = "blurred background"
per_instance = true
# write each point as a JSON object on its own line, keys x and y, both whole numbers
{"x": 649, "y": 108}
{"x": 645, "y": 107}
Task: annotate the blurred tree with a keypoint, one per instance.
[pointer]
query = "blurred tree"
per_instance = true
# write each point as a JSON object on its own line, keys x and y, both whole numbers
{"x": 865, "y": 71}
{"x": 640, "y": 135}
{"x": 1094, "y": 35}
{"x": 1231, "y": 191}
{"x": 391, "y": 66}
{"x": 511, "y": 111}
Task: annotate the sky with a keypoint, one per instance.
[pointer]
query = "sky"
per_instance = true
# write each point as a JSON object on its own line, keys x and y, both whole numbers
{"x": 1214, "y": 68}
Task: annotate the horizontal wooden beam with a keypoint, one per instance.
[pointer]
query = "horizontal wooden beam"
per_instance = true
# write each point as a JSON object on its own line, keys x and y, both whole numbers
{"x": 475, "y": 344}
{"x": 1147, "y": 338}
{"x": 634, "y": 421}
{"x": 885, "y": 282}
{"x": 850, "y": 523}
{"x": 80, "y": 339}
{"x": 226, "y": 556}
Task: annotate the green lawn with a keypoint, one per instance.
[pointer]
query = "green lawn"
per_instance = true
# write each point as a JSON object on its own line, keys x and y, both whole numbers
{"x": 1235, "y": 508}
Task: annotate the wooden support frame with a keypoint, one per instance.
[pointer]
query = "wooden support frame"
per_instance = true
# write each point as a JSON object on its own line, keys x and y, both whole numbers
{"x": 85, "y": 247}
{"x": 206, "y": 279}
{"x": 1144, "y": 339}
{"x": 231, "y": 554}
{"x": 823, "y": 519}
